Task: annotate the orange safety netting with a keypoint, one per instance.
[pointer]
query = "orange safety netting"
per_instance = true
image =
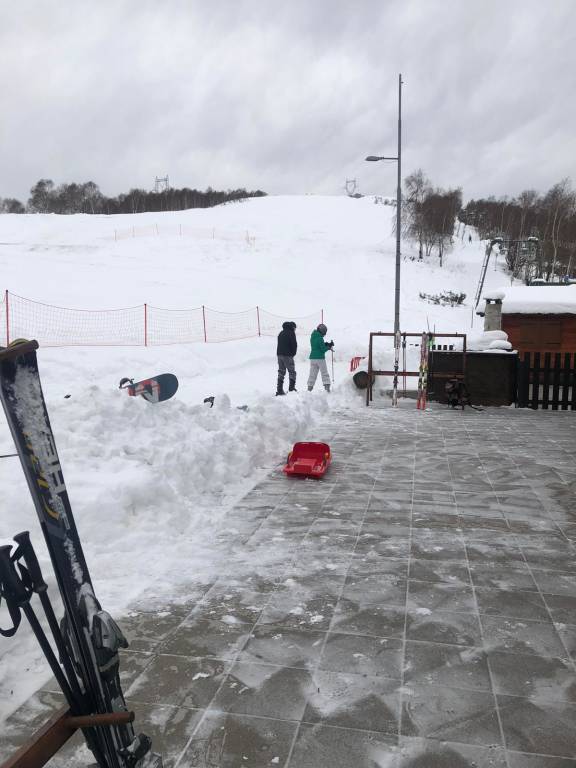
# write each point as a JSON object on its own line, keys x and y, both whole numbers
{"x": 143, "y": 325}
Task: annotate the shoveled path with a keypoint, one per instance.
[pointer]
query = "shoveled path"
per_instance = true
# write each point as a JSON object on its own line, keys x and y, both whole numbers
{"x": 417, "y": 607}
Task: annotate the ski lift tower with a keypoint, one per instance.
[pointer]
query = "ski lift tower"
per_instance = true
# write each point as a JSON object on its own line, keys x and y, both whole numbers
{"x": 162, "y": 184}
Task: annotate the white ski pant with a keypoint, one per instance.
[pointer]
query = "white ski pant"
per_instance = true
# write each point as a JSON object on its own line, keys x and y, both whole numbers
{"x": 315, "y": 366}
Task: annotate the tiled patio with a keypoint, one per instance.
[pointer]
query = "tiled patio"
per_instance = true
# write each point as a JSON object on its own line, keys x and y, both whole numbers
{"x": 416, "y": 608}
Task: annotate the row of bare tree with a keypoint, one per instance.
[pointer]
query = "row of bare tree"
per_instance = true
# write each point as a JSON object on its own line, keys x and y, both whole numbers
{"x": 46, "y": 197}
{"x": 429, "y": 214}
{"x": 550, "y": 217}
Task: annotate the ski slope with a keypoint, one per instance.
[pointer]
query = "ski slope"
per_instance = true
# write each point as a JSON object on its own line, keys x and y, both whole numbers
{"x": 150, "y": 485}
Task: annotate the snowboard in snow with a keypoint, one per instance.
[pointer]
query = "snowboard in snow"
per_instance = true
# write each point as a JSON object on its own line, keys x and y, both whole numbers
{"x": 155, "y": 389}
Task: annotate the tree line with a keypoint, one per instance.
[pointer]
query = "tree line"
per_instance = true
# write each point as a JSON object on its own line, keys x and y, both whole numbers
{"x": 46, "y": 197}
{"x": 539, "y": 231}
{"x": 429, "y": 214}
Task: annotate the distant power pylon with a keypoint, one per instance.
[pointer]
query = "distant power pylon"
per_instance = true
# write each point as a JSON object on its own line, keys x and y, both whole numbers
{"x": 351, "y": 186}
{"x": 162, "y": 184}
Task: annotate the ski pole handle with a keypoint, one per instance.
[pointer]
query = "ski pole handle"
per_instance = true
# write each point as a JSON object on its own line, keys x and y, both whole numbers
{"x": 26, "y": 551}
{"x": 12, "y": 588}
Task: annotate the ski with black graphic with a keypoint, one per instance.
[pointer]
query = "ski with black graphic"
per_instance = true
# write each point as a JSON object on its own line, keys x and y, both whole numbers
{"x": 92, "y": 637}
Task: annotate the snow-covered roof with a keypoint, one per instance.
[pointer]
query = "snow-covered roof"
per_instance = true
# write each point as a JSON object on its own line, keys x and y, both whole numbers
{"x": 536, "y": 299}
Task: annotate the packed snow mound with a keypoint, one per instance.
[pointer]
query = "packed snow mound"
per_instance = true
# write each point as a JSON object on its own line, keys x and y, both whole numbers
{"x": 539, "y": 300}
{"x": 489, "y": 341}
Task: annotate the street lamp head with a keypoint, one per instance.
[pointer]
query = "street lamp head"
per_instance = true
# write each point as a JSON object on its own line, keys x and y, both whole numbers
{"x": 375, "y": 158}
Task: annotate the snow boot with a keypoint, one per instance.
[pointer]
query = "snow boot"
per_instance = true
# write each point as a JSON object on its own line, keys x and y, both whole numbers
{"x": 292, "y": 387}
{"x": 280, "y": 392}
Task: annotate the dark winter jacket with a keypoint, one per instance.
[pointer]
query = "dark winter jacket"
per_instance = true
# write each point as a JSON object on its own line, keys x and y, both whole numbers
{"x": 287, "y": 344}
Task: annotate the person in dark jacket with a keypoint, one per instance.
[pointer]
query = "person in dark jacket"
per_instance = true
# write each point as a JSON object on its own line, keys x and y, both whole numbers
{"x": 286, "y": 350}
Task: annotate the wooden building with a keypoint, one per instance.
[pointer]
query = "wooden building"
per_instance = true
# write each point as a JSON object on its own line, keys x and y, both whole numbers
{"x": 540, "y": 318}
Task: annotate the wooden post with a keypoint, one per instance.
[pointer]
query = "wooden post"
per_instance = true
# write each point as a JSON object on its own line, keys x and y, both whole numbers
{"x": 566, "y": 380}
{"x": 204, "y": 321}
{"x": 258, "y": 319}
{"x": 145, "y": 325}
{"x": 52, "y": 736}
{"x": 7, "y": 320}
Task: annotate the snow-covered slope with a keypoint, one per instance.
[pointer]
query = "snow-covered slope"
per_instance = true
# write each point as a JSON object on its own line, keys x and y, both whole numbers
{"x": 149, "y": 484}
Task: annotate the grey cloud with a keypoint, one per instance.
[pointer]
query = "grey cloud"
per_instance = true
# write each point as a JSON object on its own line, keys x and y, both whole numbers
{"x": 288, "y": 97}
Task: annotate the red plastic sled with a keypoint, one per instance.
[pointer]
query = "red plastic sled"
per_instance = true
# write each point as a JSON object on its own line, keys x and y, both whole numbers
{"x": 308, "y": 459}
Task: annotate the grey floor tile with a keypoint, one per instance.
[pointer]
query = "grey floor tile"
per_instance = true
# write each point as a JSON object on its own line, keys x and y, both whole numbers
{"x": 283, "y": 646}
{"x": 354, "y": 701}
{"x": 321, "y": 746}
{"x": 556, "y": 582}
{"x": 567, "y": 634}
{"x": 515, "y": 604}
{"x": 438, "y": 549}
{"x": 229, "y": 740}
{"x": 368, "y": 619}
{"x": 522, "y": 760}
{"x": 562, "y": 608}
{"x": 264, "y": 691}
{"x": 179, "y": 681}
{"x": 450, "y": 714}
{"x": 521, "y": 636}
{"x": 451, "y": 665}
{"x": 543, "y": 728}
{"x": 426, "y": 753}
{"x": 439, "y": 596}
{"x": 288, "y": 609}
{"x": 170, "y": 728}
{"x": 443, "y": 627}
{"x": 363, "y": 655}
{"x": 146, "y": 630}
{"x": 429, "y": 571}
{"x": 207, "y": 639}
{"x": 385, "y": 589}
{"x": 538, "y": 677}
{"x": 503, "y": 577}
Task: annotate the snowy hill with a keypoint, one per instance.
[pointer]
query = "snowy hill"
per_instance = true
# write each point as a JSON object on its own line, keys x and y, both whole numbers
{"x": 151, "y": 484}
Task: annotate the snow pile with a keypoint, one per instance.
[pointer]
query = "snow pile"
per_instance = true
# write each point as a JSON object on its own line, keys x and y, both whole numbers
{"x": 538, "y": 299}
{"x": 489, "y": 341}
{"x": 497, "y": 295}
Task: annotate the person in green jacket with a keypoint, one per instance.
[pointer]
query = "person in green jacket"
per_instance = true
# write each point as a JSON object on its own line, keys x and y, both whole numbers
{"x": 318, "y": 349}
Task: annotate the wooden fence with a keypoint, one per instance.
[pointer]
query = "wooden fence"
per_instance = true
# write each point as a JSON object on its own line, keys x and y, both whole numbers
{"x": 547, "y": 380}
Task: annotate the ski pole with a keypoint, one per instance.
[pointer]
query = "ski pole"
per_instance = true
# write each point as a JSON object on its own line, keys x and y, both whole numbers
{"x": 17, "y": 596}
{"x": 332, "y": 351}
{"x": 18, "y": 599}
{"x": 38, "y": 585}
{"x": 7, "y": 455}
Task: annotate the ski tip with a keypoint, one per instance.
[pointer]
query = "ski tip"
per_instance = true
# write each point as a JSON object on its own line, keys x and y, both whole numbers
{"x": 18, "y": 348}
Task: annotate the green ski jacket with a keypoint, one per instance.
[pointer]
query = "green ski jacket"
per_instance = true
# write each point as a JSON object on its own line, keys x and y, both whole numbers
{"x": 317, "y": 346}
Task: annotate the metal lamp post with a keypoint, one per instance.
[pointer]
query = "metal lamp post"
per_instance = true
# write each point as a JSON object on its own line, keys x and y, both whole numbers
{"x": 398, "y": 159}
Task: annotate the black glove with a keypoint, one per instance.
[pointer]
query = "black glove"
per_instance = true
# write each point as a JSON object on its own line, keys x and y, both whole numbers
{"x": 329, "y": 344}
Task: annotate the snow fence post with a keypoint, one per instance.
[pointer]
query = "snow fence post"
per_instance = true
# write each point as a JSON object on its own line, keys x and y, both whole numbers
{"x": 7, "y": 320}
{"x": 145, "y": 325}
{"x": 204, "y": 322}
{"x": 258, "y": 319}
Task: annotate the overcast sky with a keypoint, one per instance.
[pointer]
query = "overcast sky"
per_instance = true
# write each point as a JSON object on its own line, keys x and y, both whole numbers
{"x": 287, "y": 96}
